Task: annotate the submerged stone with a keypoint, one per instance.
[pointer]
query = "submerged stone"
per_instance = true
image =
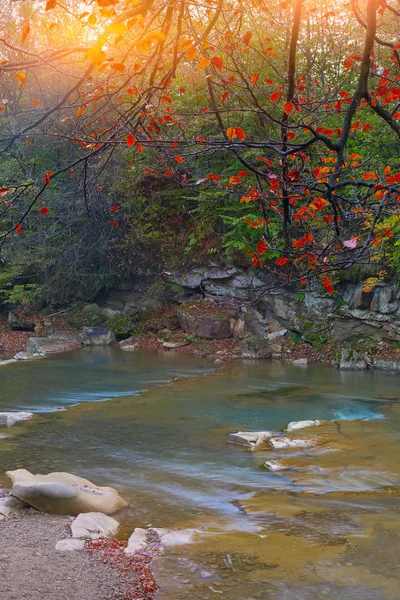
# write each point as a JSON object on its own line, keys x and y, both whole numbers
{"x": 281, "y": 443}
{"x": 295, "y": 425}
{"x": 256, "y": 440}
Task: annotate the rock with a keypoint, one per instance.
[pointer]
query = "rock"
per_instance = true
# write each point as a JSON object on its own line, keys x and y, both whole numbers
{"x": 97, "y": 336}
{"x": 93, "y": 525}
{"x": 281, "y": 443}
{"x": 256, "y": 440}
{"x": 50, "y": 345}
{"x": 300, "y": 362}
{"x": 18, "y": 322}
{"x": 171, "y": 339}
{"x": 170, "y": 537}
{"x": 275, "y": 465}
{"x": 350, "y": 361}
{"x": 9, "y": 418}
{"x": 277, "y": 334}
{"x": 381, "y": 364}
{"x": 253, "y": 323}
{"x": 11, "y": 505}
{"x": 21, "y": 356}
{"x": 255, "y": 347}
{"x": 238, "y": 329}
{"x": 295, "y": 425}
{"x": 206, "y": 320}
{"x": 137, "y": 541}
{"x": 64, "y": 493}
{"x": 70, "y": 544}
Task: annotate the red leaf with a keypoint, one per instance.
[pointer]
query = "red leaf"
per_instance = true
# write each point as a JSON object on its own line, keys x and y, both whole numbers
{"x": 115, "y": 207}
{"x": 275, "y": 96}
{"x": 130, "y": 140}
{"x": 50, "y": 4}
{"x": 179, "y": 159}
{"x": 46, "y": 177}
{"x": 44, "y": 210}
{"x": 18, "y": 229}
{"x": 281, "y": 261}
{"x": 288, "y": 107}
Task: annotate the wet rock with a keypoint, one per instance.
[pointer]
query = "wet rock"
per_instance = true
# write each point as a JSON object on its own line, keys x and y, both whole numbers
{"x": 256, "y": 440}
{"x": 351, "y": 361}
{"x": 21, "y": 356}
{"x": 295, "y": 425}
{"x": 178, "y": 537}
{"x": 300, "y": 362}
{"x": 253, "y": 323}
{"x": 277, "y": 334}
{"x": 9, "y": 418}
{"x": 255, "y": 347}
{"x": 206, "y": 320}
{"x": 281, "y": 443}
{"x": 275, "y": 465}
{"x": 63, "y": 493}
{"x": 97, "y": 336}
{"x": 51, "y": 345}
{"x": 70, "y": 544}
{"x": 137, "y": 541}
{"x": 93, "y": 525}
{"x": 381, "y": 364}
{"x": 171, "y": 339}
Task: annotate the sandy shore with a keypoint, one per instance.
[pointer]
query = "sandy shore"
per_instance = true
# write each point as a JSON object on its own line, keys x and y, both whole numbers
{"x": 31, "y": 568}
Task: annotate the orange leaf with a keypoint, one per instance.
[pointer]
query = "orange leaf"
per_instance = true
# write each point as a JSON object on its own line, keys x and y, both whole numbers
{"x": 25, "y": 30}
{"x": 50, "y": 4}
{"x": 46, "y": 177}
{"x": 386, "y": 170}
{"x": 328, "y": 285}
{"x": 179, "y": 159}
{"x": 217, "y": 62}
{"x": 240, "y": 133}
{"x": 203, "y": 63}
{"x": 254, "y": 78}
{"x": 369, "y": 175}
{"x": 18, "y": 229}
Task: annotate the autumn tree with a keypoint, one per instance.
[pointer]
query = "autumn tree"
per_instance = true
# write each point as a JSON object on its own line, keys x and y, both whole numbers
{"x": 287, "y": 113}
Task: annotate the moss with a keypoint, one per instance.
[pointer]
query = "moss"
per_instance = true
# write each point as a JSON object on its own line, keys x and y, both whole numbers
{"x": 120, "y": 324}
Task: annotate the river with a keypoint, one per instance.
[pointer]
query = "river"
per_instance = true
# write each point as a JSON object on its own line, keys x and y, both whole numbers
{"x": 155, "y": 424}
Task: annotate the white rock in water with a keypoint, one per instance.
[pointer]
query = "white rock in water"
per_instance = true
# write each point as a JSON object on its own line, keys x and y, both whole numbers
{"x": 294, "y": 425}
{"x": 64, "y": 493}
{"x": 70, "y": 544}
{"x": 93, "y": 525}
{"x": 300, "y": 362}
{"x": 280, "y": 443}
{"x": 9, "y": 418}
{"x": 252, "y": 439}
{"x": 176, "y": 538}
{"x": 137, "y": 541}
{"x": 275, "y": 465}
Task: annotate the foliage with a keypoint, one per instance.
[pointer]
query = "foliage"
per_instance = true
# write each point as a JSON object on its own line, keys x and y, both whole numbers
{"x": 146, "y": 136}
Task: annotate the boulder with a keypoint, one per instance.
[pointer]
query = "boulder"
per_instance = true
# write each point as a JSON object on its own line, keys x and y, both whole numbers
{"x": 256, "y": 440}
{"x": 300, "y": 362}
{"x": 18, "y": 322}
{"x": 206, "y": 320}
{"x": 93, "y": 525}
{"x": 295, "y": 425}
{"x": 97, "y": 336}
{"x": 64, "y": 493}
{"x": 281, "y": 443}
{"x": 51, "y": 345}
{"x": 391, "y": 366}
{"x": 275, "y": 465}
{"x": 70, "y": 544}
{"x": 137, "y": 541}
{"x": 9, "y": 418}
{"x": 11, "y": 506}
{"x": 253, "y": 322}
{"x": 254, "y": 346}
{"x": 351, "y": 361}
{"x": 170, "y": 339}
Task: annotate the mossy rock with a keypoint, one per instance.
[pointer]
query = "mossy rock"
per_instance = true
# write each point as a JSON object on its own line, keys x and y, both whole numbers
{"x": 91, "y": 315}
{"x": 120, "y": 324}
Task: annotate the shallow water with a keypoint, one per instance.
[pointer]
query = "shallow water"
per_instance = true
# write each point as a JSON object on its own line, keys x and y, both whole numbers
{"x": 165, "y": 449}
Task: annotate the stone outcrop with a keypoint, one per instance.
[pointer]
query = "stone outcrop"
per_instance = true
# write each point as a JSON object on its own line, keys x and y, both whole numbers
{"x": 390, "y": 366}
{"x": 63, "y": 493}
{"x": 254, "y": 346}
{"x": 18, "y": 322}
{"x": 296, "y": 425}
{"x": 255, "y": 440}
{"x": 283, "y": 443}
{"x": 10, "y": 418}
{"x": 97, "y": 336}
{"x": 137, "y": 541}
{"x": 351, "y": 361}
{"x": 206, "y": 320}
{"x": 51, "y": 345}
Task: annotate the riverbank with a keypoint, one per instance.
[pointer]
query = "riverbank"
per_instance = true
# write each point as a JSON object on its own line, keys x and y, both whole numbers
{"x": 33, "y": 569}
